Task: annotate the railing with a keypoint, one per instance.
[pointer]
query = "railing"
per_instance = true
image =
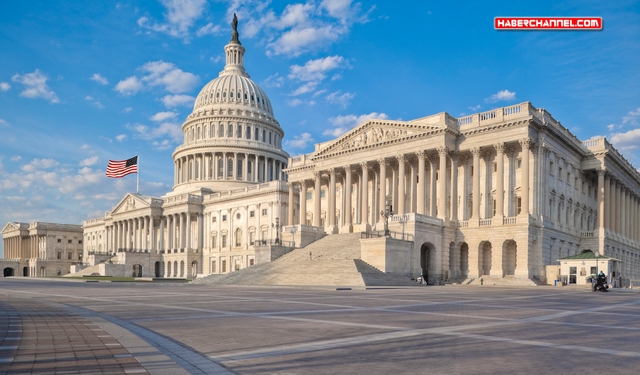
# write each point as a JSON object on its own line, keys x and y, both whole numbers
{"x": 463, "y": 224}
{"x": 465, "y": 120}
{"x": 99, "y": 253}
{"x": 485, "y": 222}
{"x": 274, "y": 242}
{"x": 392, "y": 234}
{"x": 586, "y": 234}
{"x": 489, "y": 115}
{"x": 512, "y": 110}
{"x": 509, "y": 220}
{"x": 415, "y": 217}
{"x": 590, "y": 143}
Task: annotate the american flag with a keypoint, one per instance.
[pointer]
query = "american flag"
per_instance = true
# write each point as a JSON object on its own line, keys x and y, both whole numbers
{"x": 117, "y": 169}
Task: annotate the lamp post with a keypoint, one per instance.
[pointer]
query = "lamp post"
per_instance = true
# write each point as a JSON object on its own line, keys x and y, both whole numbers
{"x": 403, "y": 220}
{"x": 277, "y": 227}
{"x": 388, "y": 211}
{"x": 293, "y": 231}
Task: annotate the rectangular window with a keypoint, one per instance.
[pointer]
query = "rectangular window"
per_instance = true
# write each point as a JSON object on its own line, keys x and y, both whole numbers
{"x": 59, "y": 240}
{"x": 519, "y": 163}
{"x": 264, "y": 212}
{"x": 80, "y": 256}
{"x": 495, "y": 203}
{"x": 214, "y": 241}
{"x": 309, "y": 195}
{"x": 495, "y": 167}
{"x": 224, "y": 240}
{"x": 80, "y": 242}
{"x": 437, "y": 176}
{"x": 560, "y": 173}
{"x": 59, "y": 255}
{"x": 518, "y": 205}
{"x": 69, "y": 256}
{"x": 252, "y": 238}
{"x": 69, "y": 241}
{"x": 215, "y": 219}
{"x": 471, "y": 171}
{"x": 213, "y": 266}
{"x": 252, "y": 213}
{"x": 224, "y": 265}
{"x": 251, "y": 262}
{"x": 593, "y": 270}
{"x": 264, "y": 235}
{"x": 224, "y": 217}
{"x": 322, "y": 193}
{"x": 551, "y": 167}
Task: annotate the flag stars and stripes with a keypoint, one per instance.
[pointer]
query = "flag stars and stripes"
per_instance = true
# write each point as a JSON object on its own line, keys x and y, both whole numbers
{"x": 117, "y": 169}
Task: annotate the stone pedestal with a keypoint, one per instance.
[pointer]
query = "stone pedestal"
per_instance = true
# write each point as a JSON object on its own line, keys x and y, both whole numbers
{"x": 302, "y": 234}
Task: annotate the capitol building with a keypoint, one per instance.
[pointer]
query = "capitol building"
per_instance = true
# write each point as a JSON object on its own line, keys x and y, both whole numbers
{"x": 499, "y": 195}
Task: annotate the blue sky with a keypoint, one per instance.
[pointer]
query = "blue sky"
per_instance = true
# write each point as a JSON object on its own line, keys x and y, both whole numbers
{"x": 85, "y": 82}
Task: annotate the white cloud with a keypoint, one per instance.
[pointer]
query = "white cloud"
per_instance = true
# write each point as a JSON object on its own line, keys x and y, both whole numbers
{"x": 315, "y": 70}
{"x": 626, "y": 141}
{"x": 307, "y": 87}
{"x": 96, "y": 103}
{"x": 611, "y": 127}
{"x": 39, "y": 164}
{"x": 36, "y": 86}
{"x": 127, "y": 110}
{"x": 88, "y": 97}
{"x": 4, "y": 86}
{"x": 168, "y": 129}
{"x": 477, "y": 107}
{"x": 273, "y": 81}
{"x": 181, "y": 16}
{"x": 299, "y": 141}
{"x": 501, "y": 95}
{"x": 294, "y": 102}
{"x": 121, "y": 137}
{"x": 298, "y": 41}
{"x": 88, "y": 162}
{"x": 159, "y": 73}
{"x": 17, "y": 199}
{"x": 3, "y": 122}
{"x": 85, "y": 147}
{"x": 209, "y": 28}
{"x": 172, "y": 101}
{"x": 161, "y": 116}
{"x": 129, "y": 86}
{"x": 631, "y": 117}
{"x": 343, "y": 100}
{"x": 221, "y": 57}
{"x": 343, "y": 124}
{"x": 99, "y": 78}
{"x": 16, "y": 158}
{"x": 162, "y": 145}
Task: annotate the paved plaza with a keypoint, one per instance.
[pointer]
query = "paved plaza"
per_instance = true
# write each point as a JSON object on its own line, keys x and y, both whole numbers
{"x": 166, "y": 328}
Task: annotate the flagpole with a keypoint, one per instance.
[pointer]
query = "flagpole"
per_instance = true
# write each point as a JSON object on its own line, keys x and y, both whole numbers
{"x": 138, "y": 175}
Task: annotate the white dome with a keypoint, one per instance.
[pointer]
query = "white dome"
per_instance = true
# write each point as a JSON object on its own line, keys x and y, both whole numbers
{"x": 232, "y": 89}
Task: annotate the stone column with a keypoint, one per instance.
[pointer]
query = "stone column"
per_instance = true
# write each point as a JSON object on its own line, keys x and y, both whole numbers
{"x": 526, "y": 145}
{"x": 245, "y": 169}
{"x": 600, "y": 221}
{"x": 401, "y": 183}
{"x": 454, "y": 185}
{"x": 500, "y": 148}
{"x": 348, "y": 223}
{"x": 290, "y": 220}
{"x": 188, "y": 230}
{"x": 235, "y": 166}
{"x": 317, "y": 208}
{"x": 331, "y": 203}
{"x": 180, "y": 235}
{"x": 476, "y": 151}
{"x": 383, "y": 187}
{"x": 152, "y": 234}
{"x": 225, "y": 165}
{"x": 161, "y": 243}
{"x": 432, "y": 188}
{"x": 607, "y": 201}
{"x": 623, "y": 211}
{"x": 364, "y": 217}
{"x": 442, "y": 182}
{"x": 422, "y": 178}
{"x": 303, "y": 202}
{"x": 394, "y": 186}
{"x": 143, "y": 233}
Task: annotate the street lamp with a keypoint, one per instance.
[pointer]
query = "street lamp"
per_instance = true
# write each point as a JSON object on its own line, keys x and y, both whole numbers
{"x": 277, "y": 227}
{"x": 388, "y": 211}
{"x": 293, "y": 231}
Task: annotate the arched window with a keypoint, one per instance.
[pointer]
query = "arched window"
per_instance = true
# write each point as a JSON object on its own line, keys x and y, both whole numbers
{"x": 239, "y": 131}
{"x": 251, "y": 97}
{"x": 230, "y": 131}
{"x": 231, "y": 95}
{"x": 217, "y": 94}
{"x": 238, "y": 95}
{"x": 230, "y": 166}
{"x": 198, "y": 133}
{"x": 238, "y": 237}
{"x": 190, "y": 170}
{"x": 269, "y": 137}
{"x": 220, "y": 167}
{"x": 245, "y": 96}
{"x": 224, "y": 94}
{"x": 248, "y": 131}
{"x": 264, "y": 135}
{"x": 239, "y": 169}
{"x": 256, "y": 134}
{"x": 249, "y": 164}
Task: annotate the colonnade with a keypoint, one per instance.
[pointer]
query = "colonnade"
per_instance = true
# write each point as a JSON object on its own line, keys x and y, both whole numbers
{"x": 620, "y": 205}
{"x": 404, "y": 183}
{"x": 23, "y": 247}
{"x": 140, "y": 233}
{"x": 225, "y": 166}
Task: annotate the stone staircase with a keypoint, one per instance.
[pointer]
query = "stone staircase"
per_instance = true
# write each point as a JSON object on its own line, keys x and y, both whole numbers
{"x": 334, "y": 260}
{"x": 509, "y": 280}
{"x": 91, "y": 269}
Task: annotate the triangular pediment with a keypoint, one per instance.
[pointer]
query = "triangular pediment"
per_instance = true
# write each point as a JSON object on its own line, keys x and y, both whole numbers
{"x": 131, "y": 202}
{"x": 375, "y": 132}
{"x": 9, "y": 227}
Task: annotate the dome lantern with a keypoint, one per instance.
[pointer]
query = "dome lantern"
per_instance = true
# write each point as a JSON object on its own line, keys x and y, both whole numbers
{"x": 235, "y": 53}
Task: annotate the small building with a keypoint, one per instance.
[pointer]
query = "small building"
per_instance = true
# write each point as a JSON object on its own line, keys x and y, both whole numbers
{"x": 40, "y": 249}
{"x": 579, "y": 268}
